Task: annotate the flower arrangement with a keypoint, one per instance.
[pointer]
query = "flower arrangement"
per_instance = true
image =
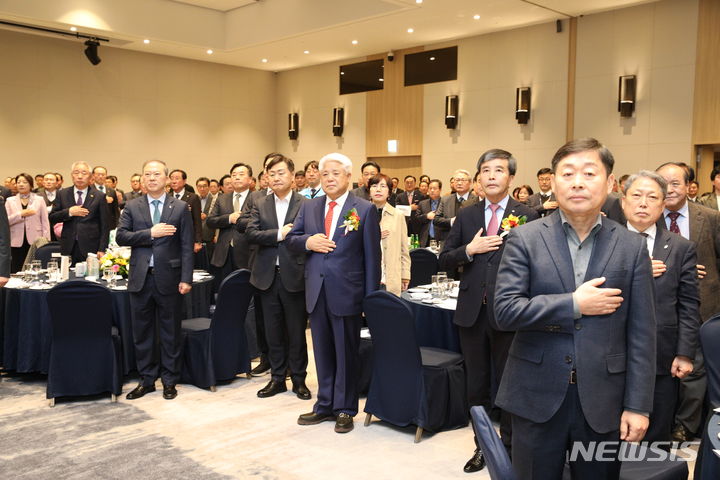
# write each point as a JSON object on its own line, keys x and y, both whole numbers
{"x": 116, "y": 259}
{"x": 352, "y": 221}
{"x": 510, "y": 222}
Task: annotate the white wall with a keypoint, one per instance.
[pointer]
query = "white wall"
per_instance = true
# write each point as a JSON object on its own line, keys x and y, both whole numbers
{"x": 56, "y": 108}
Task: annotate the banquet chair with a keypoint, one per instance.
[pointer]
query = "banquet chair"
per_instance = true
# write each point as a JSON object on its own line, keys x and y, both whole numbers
{"x": 423, "y": 265}
{"x": 216, "y": 349}
{"x": 496, "y": 456}
{"x": 44, "y": 253}
{"x": 707, "y": 465}
{"x": 85, "y": 352}
{"x": 411, "y": 385}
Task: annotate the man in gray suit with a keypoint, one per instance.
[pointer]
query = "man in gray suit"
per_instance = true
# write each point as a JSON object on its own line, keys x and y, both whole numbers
{"x": 677, "y": 295}
{"x": 700, "y": 225}
{"x": 452, "y": 203}
{"x": 575, "y": 287}
{"x": 712, "y": 199}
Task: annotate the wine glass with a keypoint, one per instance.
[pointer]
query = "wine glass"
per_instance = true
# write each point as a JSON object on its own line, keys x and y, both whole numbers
{"x": 108, "y": 275}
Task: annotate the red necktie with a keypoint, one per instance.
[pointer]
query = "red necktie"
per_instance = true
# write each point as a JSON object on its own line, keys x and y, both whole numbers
{"x": 328, "y": 218}
{"x": 674, "y": 228}
{"x": 493, "y": 225}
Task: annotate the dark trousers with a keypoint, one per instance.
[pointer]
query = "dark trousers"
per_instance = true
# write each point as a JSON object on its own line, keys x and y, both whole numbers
{"x": 77, "y": 254}
{"x": 692, "y": 395}
{"x": 336, "y": 341}
{"x": 485, "y": 351}
{"x": 539, "y": 449}
{"x": 154, "y": 313}
{"x": 284, "y": 316}
{"x": 663, "y": 412}
{"x": 18, "y": 255}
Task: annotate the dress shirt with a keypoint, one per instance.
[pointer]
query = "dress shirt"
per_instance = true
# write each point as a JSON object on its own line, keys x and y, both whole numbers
{"x": 717, "y": 201}
{"x": 179, "y": 194}
{"x": 464, "y": 197}
{"x": 203, "y": 201}
{"x": 580, "y": 253}
{"x": 545, "y": 196}
{"x": 308, "y": 192}
{"x": 682, "y": 220}
{"x": 433, "y": 206}
{"x": 84, "y": 194}
{"x": 243, "y": 196}
{"x": 336, "y": 211}
{"x": 281, "y": 209}
{"x": 650, "y": 235}
{"x": 152, "y": 211}
{"x": 51, "y": 195}
{"x": 101, "y": 188}
{"x": 498, "y": 213}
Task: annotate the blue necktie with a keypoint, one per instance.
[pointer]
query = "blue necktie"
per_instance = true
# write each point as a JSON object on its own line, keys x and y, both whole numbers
{"x": 156, "y": 212}
{"x": 433, "y": 207}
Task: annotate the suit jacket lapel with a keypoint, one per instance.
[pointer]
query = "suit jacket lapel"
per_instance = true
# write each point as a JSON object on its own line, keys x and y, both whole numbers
{"x": 556, "y": 243}
{"x": 293, "y": 208}
{"x": 662, "y": 246}
{"x": 145, "y": 211}
{"x": 696, "y": 222}
{"x": 269, "y": 206}
{"x": 603, "y": 247}
{"x": 167, "y": 208}
{"x": 89, "y": 197}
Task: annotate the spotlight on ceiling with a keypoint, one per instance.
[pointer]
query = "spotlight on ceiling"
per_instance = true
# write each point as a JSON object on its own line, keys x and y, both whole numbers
{"x": 91, "y": 51}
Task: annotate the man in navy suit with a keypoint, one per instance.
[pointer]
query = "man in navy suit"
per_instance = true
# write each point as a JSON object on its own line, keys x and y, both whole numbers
{"x": 84, "y": 213}
{"x": 475, "y": 244}
{"x": 341, "y": 236}
{"x": 677, "y": 293}
{"x": 577, "y": 289}
{"x": 160, "y": 231}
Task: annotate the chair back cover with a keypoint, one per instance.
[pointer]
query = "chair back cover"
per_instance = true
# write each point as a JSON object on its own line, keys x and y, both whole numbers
{"x": 496, "y": 457}
{"x": 229, "y": 341}
{"x": 82, "y": 355}
{"x": 397, "y": 388}
{"x": 423, "y": 265}
{"x": 44, "y": 253}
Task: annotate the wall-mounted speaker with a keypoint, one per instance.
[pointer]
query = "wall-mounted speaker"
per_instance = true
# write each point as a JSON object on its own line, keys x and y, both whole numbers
{"x": 293, "y": 126}
{"x": 338, "y": 121}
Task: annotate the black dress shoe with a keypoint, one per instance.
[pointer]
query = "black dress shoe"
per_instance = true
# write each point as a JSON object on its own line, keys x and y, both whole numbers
{"x": 272, "y": 388}
{"x": 313, "y": 418}
{"x": 301, "y": 390}
{"x": 139, "y": 391}
{"x": 262, "y": 369}
{"x": 169, "y": 392}
{"x": 476, "y": 463}
{"x": 344, "y": 423}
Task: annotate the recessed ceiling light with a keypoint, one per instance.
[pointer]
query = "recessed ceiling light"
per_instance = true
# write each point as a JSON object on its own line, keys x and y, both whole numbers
{"x": 354, "y": 42}
{"x": 146, "y": 41}
{"x": 410, "y": 30}
{"x": 73, "y": 29}
{"x": 306, "y": 52}
{"x": 418, "y": 1}
{"x": 381, "y": 79}
{"x": 476, "y": 17}
{"x": 209, "y": 51}
{"x": 432, "y": 59}
{"x": 264, "y": 60}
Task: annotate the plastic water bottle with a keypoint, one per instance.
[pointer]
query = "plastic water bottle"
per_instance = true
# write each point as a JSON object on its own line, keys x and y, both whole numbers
{"x": 93, "y": 266}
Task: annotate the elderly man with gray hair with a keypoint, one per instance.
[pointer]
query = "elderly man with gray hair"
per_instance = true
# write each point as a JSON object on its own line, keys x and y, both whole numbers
{"x": 84, "y": 213}
{"x": 452, "y": 203}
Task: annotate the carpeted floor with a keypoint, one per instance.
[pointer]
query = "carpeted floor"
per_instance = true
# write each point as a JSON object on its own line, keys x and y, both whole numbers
{"x": 230, "y": 433}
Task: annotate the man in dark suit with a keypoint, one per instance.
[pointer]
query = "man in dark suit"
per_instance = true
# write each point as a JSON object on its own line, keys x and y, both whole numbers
{"x": 279, "y": 276}
{"x": 475, "y": 244}
{"x": 341, "y": 236}
{"x": 451, "y": 204}
{"x": 84, "y": 214}
{"x": 5, "y": 192}
{"x": 99, "y": 174}
{"x": 49, "y": 191}
{"x": 712, "y": 199}
{"x": 700, "y": 225}
{"x": 368, "y": 170}
{"x": 423, "y": 217}
{"x": 543, "y": 201}
{"x": 410, "y": 197}
{"x": 4, "y": 244}
{"x": 180, "y": 190}
{"x": 207, "y": 200}
{"x": 159, "y": 229}
{"x": 576, "y": 287}
{"x": 135, "y": 188}
{"x": 677, "y": 295}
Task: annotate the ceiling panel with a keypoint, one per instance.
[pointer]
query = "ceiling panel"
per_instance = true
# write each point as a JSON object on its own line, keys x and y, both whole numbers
{"x": 219, "y": 5}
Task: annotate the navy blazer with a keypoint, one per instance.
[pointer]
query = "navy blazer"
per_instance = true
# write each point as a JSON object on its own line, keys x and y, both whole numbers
{"x": 349, "y": 272}
{"x": 172, "y": 255}
{"x": 677, "y": 299}
{"x": 614, "y": 355}
{"x": 478, "y": 279}
{"x": 91, "y": 231}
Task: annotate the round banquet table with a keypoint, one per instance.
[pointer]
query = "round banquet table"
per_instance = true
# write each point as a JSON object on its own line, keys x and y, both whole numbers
{"x": 434, "y": 324}
{"x": 27, "y": 329}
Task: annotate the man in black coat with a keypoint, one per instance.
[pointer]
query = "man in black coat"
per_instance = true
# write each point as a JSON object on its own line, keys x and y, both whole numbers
{"x": 180, "y": 190}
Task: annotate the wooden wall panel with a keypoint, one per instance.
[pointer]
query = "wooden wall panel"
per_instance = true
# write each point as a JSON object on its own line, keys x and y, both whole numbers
{"x": 395, "y": 113}
{"x": 706, "y": 114}
{"x": 400, "y": 166}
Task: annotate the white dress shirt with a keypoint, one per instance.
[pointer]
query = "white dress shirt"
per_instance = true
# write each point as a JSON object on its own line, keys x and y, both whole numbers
{"x": 179, "y": 194}
{"x": 650, "y": 238}
{"x": 281, "y": 209}
{"x": 336, "y": 211}
{"x": 682, "y": 221}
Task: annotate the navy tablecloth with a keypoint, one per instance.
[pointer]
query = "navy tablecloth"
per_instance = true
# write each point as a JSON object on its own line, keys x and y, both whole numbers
{"x": 434, "y": 326}
{"x": 26, "y": 342}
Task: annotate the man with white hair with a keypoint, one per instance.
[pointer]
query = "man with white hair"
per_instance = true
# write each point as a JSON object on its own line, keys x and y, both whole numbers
{"x": 340, "y": 234}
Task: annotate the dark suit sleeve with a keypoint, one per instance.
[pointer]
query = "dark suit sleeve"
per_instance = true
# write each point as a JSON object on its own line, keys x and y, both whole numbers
{"x": 371, "y": 245}
{"x": 453, "y": 253}
{"x": 4, "y": 241}
{"x": 255, "y": 234}
{"x": 126, "y": 234}
{"x": 296, "y": 237}
{"x": 515, "y": 307}
{"x": 215, "y": 220}
{"x": 61, "y": 212}
{"x": 186, "y": 244}
{"x": 247, "y": 208}
{"x": 195, "y": 210}
{"x": 441, "y": 220}
{"x": 104, "y": 220}
{"x": 688, "y": 305}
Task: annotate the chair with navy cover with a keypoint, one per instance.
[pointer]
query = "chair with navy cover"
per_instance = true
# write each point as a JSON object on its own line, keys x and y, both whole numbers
{"x": 44, "y": 253}
{"x": 496, "y": 456}
{"x": 411, "y": 385}
{"x": 707, "y": 466}
{"x": 423, "y": 265}
{"x": 85, "y": 356}
{"x": 216, "y": 349}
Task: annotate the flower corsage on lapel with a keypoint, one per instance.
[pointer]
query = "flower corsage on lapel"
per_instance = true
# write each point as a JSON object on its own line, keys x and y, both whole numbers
{"x": 510, "y": 222}
{"x": 352, "y": 221}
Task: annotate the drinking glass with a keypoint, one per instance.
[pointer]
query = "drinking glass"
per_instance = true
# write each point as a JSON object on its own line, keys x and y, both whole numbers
{"x": 435, "y": 288}
{"x": 108, "y": 274}
{"x": 36, "y": 266}
{"x": 52, "y": 271}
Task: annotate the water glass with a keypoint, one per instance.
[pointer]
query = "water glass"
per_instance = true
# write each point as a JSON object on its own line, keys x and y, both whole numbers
{"x": 435, "y": 286}
{"x": 80, "y": 269}
{"x": 108, "y": 274}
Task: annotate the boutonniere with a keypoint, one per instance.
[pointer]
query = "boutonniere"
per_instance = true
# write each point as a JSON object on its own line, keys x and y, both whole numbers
{"x": 510, "y": 222}
{"x": 352, "y": 221}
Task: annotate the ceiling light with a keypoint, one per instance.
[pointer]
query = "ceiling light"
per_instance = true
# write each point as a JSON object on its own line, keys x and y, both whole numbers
{"x": 476, "y": 17}
{"x": 432, "y": 59}
{"x": 146, "y": 41}
{"x": 418, "y": 1}
{"x": 354, "y": 42}
{"x": 381, "y": 79}
{"x": 410, "y": 30}
{"x": 73, "y": 29}
{"x": 306, "y": 52}
{"x": 264, "y": 60}
{"x": 209, "y": 51}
